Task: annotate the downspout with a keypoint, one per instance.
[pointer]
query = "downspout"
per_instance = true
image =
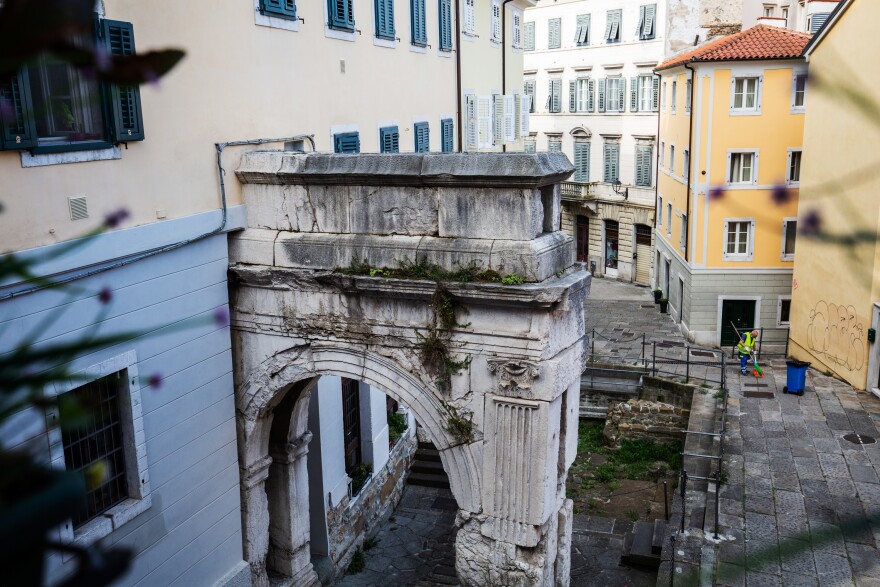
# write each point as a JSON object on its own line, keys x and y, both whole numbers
{"x": 458, "y": 95}
{"x": 687, "y": 238}
{"x": 504, "y": 56}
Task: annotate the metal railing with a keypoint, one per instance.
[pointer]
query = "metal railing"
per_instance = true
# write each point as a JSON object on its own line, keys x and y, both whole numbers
{"x": 774, "y": 337}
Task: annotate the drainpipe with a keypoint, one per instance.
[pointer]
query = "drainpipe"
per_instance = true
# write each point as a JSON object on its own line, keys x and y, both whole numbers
{"x": 504, "y": 55}
{"x": 687, "y": 237}
{"x": 458, "y": 95}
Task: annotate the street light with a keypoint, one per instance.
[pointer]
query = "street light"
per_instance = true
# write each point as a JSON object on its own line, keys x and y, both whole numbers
{"x": 616, "y": 185}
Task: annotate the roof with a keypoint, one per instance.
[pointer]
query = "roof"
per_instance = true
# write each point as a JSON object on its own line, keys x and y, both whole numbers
{"x": 830, "y": 22}
{"x": 757, "y": 43}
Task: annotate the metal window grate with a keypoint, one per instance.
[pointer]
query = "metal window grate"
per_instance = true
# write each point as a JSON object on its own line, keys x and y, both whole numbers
{"x": 92, "y": 432}
{"x": 351, "y": 424}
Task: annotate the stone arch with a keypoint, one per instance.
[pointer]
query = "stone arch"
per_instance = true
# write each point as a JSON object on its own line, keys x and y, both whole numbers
{"x": 295, "y": 371}
{"x": 580, "y": 132}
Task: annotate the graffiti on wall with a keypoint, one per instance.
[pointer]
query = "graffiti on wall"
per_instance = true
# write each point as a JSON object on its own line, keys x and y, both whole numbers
{"x": 837, "y": 335}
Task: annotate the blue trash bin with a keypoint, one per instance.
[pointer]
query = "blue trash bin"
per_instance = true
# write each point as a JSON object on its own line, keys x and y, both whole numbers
{"x": 796, "y": 377}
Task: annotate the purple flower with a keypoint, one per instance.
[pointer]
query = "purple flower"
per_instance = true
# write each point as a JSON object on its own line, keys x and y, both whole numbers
{"x": 811, "y": 223}
{"x": 155, "y": 381}
{"x": 716, "y": 192}
{"x": 221, "y": 316}
{"x": 114, "y": 219}
{"x": 780, "y": 194}
{"x": 105, "y": 295}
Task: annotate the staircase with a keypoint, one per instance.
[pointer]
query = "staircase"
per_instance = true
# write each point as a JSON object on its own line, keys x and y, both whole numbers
{"x": 644, "y": 544}
{"x": 427, "y": 470}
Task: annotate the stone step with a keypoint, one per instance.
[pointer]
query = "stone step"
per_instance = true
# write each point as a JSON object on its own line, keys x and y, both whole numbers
{"x": 428, "y": 454}
{"x": 638, "y": 549}
{"x": 428, "y": 480}
{"x": 431, "y": 467}
{"x": 659, "y": 536}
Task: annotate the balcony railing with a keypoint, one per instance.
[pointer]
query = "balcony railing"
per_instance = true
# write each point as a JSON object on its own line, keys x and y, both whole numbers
{"x": 574, "y": 191}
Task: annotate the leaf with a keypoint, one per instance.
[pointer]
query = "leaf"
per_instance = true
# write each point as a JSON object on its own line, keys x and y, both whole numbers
{"x": 141, "y": 68}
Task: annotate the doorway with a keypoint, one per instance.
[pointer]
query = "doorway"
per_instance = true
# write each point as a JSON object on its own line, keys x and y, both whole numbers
{"x": 612, "y": 247}
{"x": 643, "y": 254}
{"x": 740, "y": 313}
{"x": 668, "y": 273}
{"x": 680, "y": 300}
{"x": 582, "y": 238}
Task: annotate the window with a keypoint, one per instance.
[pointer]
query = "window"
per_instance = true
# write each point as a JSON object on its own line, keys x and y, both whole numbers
{"x": 51, "y": 106}
{"x": 484, "y": 121}
{"x": 745, "y": 94}
{"x": 768, "y": 10}
{"x": 496, "y": 22}
{"x": 584, "y": 95}
{"x": 789, "y": 236}
{"x": 612, "y": 26}
{"x": 612, "y": 162}
{"x": 688, "y": 95}
{"x": 554, "y": 35}
{"x": 417, "y": 23}
{"x": 582, "y": 31}
{"x": 445, "y": 11}
{"x": 664, "y": 95}
{"x": 645, "y": 100}
{"x": 469, "y": 26}
{"x": 422, "y": 137}
{"x": 647, "y": 20}
{"x": 674, "y": 95}
{"x": 554, "y": 144}
{"x": 612, "y": 93}
{"x": 785, "y": 15}
{"x": 644, "y": 165}
{"x": 347, "y": 142}
{"x": 668, "y": 219}
{"x": 783, "y": 311}
{"x": 682, "y": 243}
{"x": 742, "y": 168}
{"x": 279, "y": 8}
{"x": 794, "y": 166}
{"x": 554, "y": 98}
{"x": 798, "y": 92}
{"x": 385, "y": 19}
{"x": 389, "y": 140}
{"x": 686, "y": 165}
{"x": 524, "y": 106}
{"x": 815, "y": 22}
{"x": 672, "y": 159}
{"x": 351, "y": 424}
{"x": 662, "y": 153}
{"x": 517, "y": 30}
{"x": 529, "y": 90}
{"x": 341, "y": 15}
{"x": 660, "y": 211}
{"x": 738, "y": 243}
{"x": 581, "y": 160}
{"x": 530, "y": 37}
{"x": 446, "y": 130}
{"x": 529, "y": 145}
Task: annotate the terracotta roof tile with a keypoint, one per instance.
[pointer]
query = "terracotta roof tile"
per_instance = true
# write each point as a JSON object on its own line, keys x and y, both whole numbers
{"x": 759, "y": 42}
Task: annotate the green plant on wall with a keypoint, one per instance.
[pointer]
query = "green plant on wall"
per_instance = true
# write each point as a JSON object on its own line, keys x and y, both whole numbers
{"x": 459, "y": 424}
{"x": 435, "y": 347}
{"x": 397, "y": 425}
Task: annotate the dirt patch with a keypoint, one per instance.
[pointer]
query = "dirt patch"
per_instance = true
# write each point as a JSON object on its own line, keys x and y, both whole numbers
{"x": 624, "y": 483}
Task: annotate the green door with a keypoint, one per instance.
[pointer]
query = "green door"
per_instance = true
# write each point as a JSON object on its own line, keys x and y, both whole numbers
{"x": 741, "y": 313}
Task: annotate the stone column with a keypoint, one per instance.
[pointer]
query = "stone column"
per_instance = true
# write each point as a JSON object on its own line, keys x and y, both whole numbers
{"x": 255, "y": 512}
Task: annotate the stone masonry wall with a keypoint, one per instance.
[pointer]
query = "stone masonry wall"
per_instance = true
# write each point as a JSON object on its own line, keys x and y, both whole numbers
{"x": 636, "y": 419}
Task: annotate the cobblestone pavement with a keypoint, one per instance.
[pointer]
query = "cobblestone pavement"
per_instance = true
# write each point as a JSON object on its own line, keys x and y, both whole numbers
{"x": 597, "y": 543}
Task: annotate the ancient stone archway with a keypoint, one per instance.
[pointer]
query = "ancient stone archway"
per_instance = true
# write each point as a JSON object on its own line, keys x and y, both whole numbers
{"x": 513, "y": 356}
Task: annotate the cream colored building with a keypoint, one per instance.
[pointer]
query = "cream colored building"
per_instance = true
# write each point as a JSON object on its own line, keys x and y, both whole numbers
{"x": 835, "y": 299}
{"x": 365, "y": 76}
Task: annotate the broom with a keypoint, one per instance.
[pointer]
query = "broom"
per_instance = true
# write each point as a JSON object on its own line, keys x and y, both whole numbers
{"x": 757, "y": 371}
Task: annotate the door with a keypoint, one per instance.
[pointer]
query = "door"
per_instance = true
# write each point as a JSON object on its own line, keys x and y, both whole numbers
{"x": 643, "y": 254}
{"x": 680, "y": 299}
{"x": 611, "y": 247}
{"x": 739, "y": 312}
{"x": 351, "y": 424}
{"x": 582, "y": 238}
{"x": 668, "y": 272}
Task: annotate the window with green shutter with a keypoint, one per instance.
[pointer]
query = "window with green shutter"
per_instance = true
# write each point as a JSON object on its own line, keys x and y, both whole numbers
{"x": 644, "y": 161}
{"x": 347, "y": 142}
{"x": 582, "y": 162}
{"x": 447, "y": 143}
{"x": 647, "y": 22}
{"x": 279, "y": 8}
{"x": 530, "y": 36}
{"x": 341, "y": 15}
{"x": 612, "y": 26}
{"x": 384, "y": 10}
{"x": 421, "y": 130}
{"x": 582, "y": 32}
{"x": 529, "y": 145}
{"x": 611, "y": 162}
{"x": 389, "y": 139}
{"x": 49, "y": 106}
{"x": 529, "y": 90}
{"x": 554, "y": 35}
{"x": 444, "y": 9}
{"x": 554, "y": 99}
{"x": 417, "y": 22}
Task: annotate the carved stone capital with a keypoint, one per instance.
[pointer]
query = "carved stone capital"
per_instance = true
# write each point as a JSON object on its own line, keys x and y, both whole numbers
{"x": 514, "y": 375}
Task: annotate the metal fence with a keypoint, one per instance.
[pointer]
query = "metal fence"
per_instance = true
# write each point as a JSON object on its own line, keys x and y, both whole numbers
{"x": 772, "y": 342}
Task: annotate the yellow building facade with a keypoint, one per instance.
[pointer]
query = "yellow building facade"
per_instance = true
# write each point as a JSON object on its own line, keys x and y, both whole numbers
{"x": 731, "y": 127}
{"x": 836, "y": 290}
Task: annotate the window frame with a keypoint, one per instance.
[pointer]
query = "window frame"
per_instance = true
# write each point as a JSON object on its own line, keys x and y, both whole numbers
{"x": 746, "y": 110}
{"x": 583, "y": 23}
{"x": 495, "y": 22}
{"x": 648, "y": 172}
{"x": 418, "y": 29}
{"x": 750, "y": 242}
{"x": 580, "y": 174}
{"x": 338, "y": 136}
{"x": 516, "y": 19}
{"x": 557, "y": 38}
{"x": 380, "y": 33}
{"x": 615, "y": 14}
{"x": 419, "y": 127}
{"x": 529, "y": 36}
{"x": 646, "y": 86}
{"x": 779, "y": 301}
{"x": 643, "y": 19}
{"x": 753, "y": 181}
{"x": 682, "y": 244}
{"x": 552, "y": 142}
{"x": 672, "y": 159}
{"x": 343, "y": 26}
{"x": 554, "y": 91}
{"x": 668, "y": 219}
{"x": 582, "y": 94}
{"x": 782, "y": 254}
{"x": 385, "y": 131}
{"x": 660, "y": 211}
{"x": 795, "y": 78}
{"x": 620, "y": 101}
{"x": 530, "y": 144}
{"x": 688, "y": 95}
{"x": 469, "y": 18}
{"x": 447, "y": 135}
{"x": 444, "y": 25}
{"x": 674, "y": 97}
{"x": 686, "y": 164}
{"x": 788, "y": 180}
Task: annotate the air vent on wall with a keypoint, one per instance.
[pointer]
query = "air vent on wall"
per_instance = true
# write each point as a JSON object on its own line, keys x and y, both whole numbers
{"x": 79, "y": 207}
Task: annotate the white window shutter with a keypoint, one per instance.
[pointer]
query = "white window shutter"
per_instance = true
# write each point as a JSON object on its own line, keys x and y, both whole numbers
{"x": 498, "y": 119}
{"x": 484, "y": 122}
{"x": 469, "y": 23}
{"x": 509, "y": 118}
{"x": 524, "y": 108}
{"x": 471, "y": 125}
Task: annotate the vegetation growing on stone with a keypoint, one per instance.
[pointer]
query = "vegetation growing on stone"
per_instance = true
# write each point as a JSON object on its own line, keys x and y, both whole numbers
{"x": 396, "y": 426}
{"x": 435, "y": 347}
{"x": 459, "y": 425}
{"x": 422, "y": 269}
{"x": 358, "y": 562}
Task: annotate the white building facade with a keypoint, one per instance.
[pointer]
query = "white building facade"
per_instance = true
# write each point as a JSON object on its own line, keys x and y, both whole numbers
{"x": 588, "y": 66}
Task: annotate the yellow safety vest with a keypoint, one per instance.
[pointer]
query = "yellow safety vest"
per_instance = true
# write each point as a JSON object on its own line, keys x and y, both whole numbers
{"x": 745, "y": 347}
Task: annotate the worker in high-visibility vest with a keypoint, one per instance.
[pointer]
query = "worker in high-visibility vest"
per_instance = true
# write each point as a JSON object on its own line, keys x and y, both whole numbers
{"x": 745, "y": 347}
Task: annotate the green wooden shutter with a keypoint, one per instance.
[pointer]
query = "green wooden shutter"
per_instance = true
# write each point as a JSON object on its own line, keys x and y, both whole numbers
{"x": 341, "y": 14}
{"x": 634, "y": 94}
{"x": 655, "y": 93}
{"x": 650, "y": 19}
{"x": 530, "y": 36}
{"x": 446, "y": 135}
{"x": 602, "y": 95}
{"x": 445, "y": 10}
{"x": 417, "y": 19}
{"x": 529, "y": 90}
{"x": 423, "y": 144}
{"x": 591, "y": 96}
{"x": 621, "y": 97}
{"x": 124, "y": 102}
{"x": 644, "y": 159}
{"x": 389, "y": 139}
{"x": 554, "y": 38}
{"x": 347, "y": 142}
{"x": 18, "y": 129}
{"x": 612, "y": 161}
{"x": 385, "y": 19}
{"x": 556, "y": 104}
{"x": 640, "y": 30}
{"x": 582, "y": 33}
{"x": 572, "y": 96}
{"x": 582, "y": 162}
{"x": 279, "y": 8}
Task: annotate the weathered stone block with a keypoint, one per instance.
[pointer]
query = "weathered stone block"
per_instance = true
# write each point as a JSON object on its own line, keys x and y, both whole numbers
{"x": 254, "y": 246}
{"x": 392, "y": 210}
{"x": 508, "y": 214}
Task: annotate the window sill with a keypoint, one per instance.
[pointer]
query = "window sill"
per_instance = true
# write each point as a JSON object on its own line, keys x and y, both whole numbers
{"x": 71, "y": 147}
{"x": 111, "y": 520}
{"x": 423, "y": 49}
{"x": 731, "y": 259}
{"x": 274, "y": 21}
{"x": 339, "y": 34}
{"x": 787, "y": 258}
{"x": 40, "y": 158}
{"x": 384, "y": 42}
{"x": 745, "y": 112}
